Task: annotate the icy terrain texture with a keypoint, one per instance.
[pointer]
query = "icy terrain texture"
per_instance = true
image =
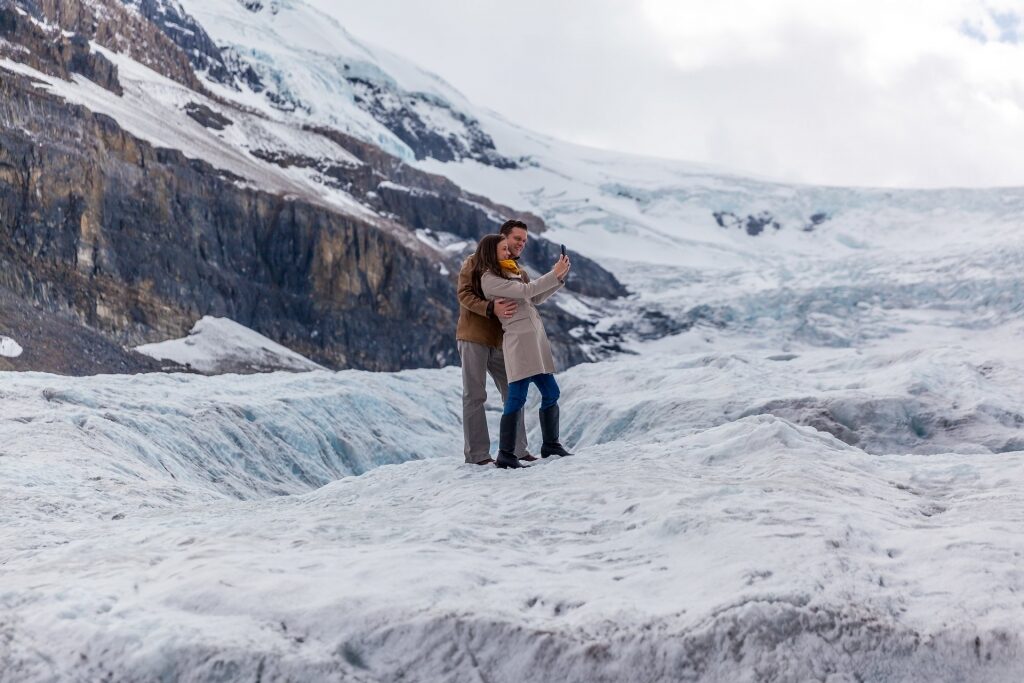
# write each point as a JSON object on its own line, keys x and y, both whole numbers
{"x": 162, "y": 527}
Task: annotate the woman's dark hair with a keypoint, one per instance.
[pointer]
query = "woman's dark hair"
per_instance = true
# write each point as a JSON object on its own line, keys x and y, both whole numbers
{"x": 508, "y": 226}
{"x": 485, "y": 260}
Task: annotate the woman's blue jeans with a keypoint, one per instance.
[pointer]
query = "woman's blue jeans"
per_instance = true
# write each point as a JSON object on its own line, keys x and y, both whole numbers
{"x": 549, "y": 392}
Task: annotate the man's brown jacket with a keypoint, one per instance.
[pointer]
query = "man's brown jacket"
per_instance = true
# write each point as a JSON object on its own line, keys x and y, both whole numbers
{"x": 476, "y": 316}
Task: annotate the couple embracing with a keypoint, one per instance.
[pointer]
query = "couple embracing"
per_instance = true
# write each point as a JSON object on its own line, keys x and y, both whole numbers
{"x": 501, "y": 334}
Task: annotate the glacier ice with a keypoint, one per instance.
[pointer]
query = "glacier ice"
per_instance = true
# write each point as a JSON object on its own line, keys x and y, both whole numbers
{"x": 754, "y": 550}
{"x": 710, "y": 527}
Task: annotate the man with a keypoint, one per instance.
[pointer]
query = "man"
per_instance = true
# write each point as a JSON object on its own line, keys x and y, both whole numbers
{"x": 478, "y": 336}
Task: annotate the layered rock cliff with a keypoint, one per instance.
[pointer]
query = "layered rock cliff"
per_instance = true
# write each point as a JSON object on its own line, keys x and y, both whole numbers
{"x": 117, "y": 28}
{"x": 140, "y": 242}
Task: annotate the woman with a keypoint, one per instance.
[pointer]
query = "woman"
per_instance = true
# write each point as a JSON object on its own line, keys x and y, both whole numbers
{"x": 527, "y": 351}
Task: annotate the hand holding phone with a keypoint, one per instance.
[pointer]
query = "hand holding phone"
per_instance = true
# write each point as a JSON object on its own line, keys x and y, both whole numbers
{"x": 562, "y": 267}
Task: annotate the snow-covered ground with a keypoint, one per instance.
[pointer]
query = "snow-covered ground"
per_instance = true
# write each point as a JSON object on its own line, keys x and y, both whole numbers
{"x": 753, "y": 551}
{"x": 239, "y": 527}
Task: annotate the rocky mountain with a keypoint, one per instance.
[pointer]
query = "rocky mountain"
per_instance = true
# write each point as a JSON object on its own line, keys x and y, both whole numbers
{"x": 150, "y": 176}
{"x": 109, "y": 24}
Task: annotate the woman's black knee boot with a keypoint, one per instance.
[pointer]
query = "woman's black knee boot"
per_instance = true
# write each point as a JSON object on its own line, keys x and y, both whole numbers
{"x": 549, "y": 429}
{"x": 507, "y": 442}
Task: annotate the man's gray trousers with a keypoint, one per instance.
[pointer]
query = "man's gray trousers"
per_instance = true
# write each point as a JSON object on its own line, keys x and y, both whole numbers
{"x": 478, "y": 361}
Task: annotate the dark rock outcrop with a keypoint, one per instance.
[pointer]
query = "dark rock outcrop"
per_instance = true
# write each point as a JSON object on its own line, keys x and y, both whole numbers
{"x": 51, "y": 52}
{"x": 112, "y": 25}
{"x": 207, "y": 117}
{"x": 586, "y": 277}
{"x": 57, "y": 342}
{"x": 259, "y": 5}
{"x": 753, "y": 224}
{"x": 400, "y": 113}
{"x": 816, "y": 220}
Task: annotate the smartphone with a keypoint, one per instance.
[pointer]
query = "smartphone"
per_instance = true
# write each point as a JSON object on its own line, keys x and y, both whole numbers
{"x": 563, "y": 250}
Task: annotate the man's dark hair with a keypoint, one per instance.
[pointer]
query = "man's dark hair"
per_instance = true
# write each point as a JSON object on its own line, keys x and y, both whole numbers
{"x": 485, "y": 260}
{"x": 508, "y": 226}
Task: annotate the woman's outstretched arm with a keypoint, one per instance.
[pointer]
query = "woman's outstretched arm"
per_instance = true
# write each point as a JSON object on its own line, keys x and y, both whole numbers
{"x": 499, "y": 288}
{"x": 543, "y": 296}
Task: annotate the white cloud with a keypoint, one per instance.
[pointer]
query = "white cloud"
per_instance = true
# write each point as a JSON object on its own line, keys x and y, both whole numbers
{"x": 864, "y": 92}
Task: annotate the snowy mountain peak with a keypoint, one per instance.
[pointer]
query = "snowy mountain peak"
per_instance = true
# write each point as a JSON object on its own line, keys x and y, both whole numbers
{"x": 303, "y": 62}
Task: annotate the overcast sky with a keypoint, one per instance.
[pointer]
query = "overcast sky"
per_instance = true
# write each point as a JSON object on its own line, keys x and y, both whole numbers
{"x": 842, "y": 92}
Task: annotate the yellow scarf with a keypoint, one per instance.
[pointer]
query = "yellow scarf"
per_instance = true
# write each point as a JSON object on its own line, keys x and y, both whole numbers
{"x": 510, "y": 265}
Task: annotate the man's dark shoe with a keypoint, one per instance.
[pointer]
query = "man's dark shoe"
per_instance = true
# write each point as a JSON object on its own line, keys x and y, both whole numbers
{"x": 547, "y": 450}
{"x": 507, "y": 461}
{"x": 549, "y": 429}
{"x": 507, "y": 443}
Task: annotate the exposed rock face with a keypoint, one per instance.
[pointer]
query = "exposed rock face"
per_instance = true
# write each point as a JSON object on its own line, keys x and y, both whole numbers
{"x": 259, "y": 5}
{"x": 112, "y": 25}
{"x": 47, "y": 49}
{"x": 59, "y": 343}
{"x": 816, "y": 220}
{"x": 207, "y": 117}
{"x": 754, "y": 225}
{"x": 586, "y": 277}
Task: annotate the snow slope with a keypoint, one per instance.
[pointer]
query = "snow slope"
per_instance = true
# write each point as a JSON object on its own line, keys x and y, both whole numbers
{"x": 616, "y": 207}
{"x": 218, "y": 345}
{"x": 314, "y": 70}
{"x": 9, "y": 347}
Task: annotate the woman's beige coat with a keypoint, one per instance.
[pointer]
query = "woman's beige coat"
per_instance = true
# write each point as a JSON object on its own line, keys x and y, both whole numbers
{"x": 526, "y": 347}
